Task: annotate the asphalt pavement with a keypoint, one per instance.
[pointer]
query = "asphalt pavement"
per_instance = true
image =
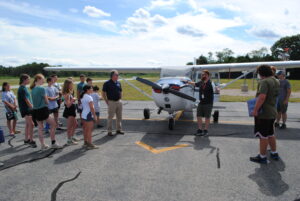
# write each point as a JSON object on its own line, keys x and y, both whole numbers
{"x": 153, "y": 163}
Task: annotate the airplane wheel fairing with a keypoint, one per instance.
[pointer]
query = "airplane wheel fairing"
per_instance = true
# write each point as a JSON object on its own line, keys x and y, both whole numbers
{"x": 216, "y": 116}
{"x": 147, "y": 113}
{"x": 171, "y": 123}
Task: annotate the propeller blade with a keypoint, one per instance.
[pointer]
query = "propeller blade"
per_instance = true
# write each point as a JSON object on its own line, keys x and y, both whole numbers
{"x": 149, "y": 83}
{"x": 180, "y": 94}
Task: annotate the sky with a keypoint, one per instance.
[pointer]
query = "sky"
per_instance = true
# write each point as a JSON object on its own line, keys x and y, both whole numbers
{"x": 138, "y": 32}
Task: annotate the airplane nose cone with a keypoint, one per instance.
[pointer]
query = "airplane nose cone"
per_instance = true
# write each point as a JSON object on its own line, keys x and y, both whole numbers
{"x": 165, "y": 86}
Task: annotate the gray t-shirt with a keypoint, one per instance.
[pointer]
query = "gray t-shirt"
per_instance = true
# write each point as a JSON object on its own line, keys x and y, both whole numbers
{"x": 284, "y": 86}
{"x": 52, "y": 92}
{"x": 9, "y": 97}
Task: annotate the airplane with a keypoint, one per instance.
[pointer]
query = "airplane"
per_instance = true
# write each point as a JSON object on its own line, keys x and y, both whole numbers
{"x": 171, "y": 93}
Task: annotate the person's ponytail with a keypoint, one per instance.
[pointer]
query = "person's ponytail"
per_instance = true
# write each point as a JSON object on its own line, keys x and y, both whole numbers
{"x": 84, "y": 90}
{"x": 36, "y": 78}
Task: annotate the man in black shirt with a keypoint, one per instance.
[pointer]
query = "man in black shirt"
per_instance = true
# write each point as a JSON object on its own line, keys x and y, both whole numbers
{"x": 112, "y": 94}
{"x": 206, "y": 97}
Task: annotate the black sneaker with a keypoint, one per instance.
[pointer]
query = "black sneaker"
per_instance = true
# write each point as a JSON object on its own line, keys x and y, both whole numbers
{"x": 205, "y": 133}
{"x": 283, "y": 126}
{"x": 99, "y": 126}
{"x": 26, "y": 141}
{"x": 120, "y": 132}
{"x": 276, "y": 125}
{"x": 199, "y": 132}
{"x": 259, "y": 159}
{"x": 32, "y": 144}
{"x": 274, "y": 156}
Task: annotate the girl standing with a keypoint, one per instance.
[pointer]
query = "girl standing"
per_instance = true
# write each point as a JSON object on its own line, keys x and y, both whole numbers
{"x": 25, "y": 105}
{"x": 70, "y": 111}
{"x": 10, "y": 103}
{"x": 88, "y": 116}
{"x": 41, "y": 112}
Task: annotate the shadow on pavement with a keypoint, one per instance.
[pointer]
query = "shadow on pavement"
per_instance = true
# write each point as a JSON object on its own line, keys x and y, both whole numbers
{"x": 269, "y": 179}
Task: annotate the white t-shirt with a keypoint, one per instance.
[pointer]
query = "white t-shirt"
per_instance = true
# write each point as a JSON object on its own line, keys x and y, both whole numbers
{"x": 86, "y": 99}
{"x": 96, "y": 100}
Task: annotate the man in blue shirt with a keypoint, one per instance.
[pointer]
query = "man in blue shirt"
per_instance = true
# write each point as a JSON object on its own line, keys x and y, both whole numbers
{"x": 283, "y": 99}
{"x": 112, "y": 94}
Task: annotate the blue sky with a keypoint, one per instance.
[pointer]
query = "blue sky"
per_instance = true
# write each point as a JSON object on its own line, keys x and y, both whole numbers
{"x": 130, "y": 32}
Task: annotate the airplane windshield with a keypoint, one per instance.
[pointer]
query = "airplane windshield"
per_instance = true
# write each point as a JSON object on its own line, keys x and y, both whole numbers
{"x": 176, "y": 81}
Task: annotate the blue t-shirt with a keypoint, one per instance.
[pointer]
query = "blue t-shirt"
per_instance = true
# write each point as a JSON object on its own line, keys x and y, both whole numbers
{"x": 23, "y": 94}
{"x": 52, "y": 92}
{"x": 38, "y": 97}
{"x": 284, "y": 86}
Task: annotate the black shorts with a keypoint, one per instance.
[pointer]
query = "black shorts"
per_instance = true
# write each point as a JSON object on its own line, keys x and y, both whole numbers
{"x": 69, "y": 111}
{"x": 11, "y": 116}
{"x": 26, "y": 113}
{"x": 264, "y": 128}
{"x": 55, "y": 110}
{"x": 41, "y": 114}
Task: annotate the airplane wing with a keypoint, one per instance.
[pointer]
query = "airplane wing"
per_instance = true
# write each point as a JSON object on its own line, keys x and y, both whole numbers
{"x": 227, "y": 67}
{"x": 249, "y": 66}
{"x": 105, "y": 69}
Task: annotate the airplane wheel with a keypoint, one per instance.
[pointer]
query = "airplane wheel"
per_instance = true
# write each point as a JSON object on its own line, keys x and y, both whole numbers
{"x": 216, "y": 116}
{"x": 146, "y": 113}
{"x": 171, "y": 124}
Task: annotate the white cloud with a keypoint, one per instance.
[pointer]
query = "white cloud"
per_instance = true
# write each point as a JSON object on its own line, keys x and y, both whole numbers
{"x": 95, "y": 12}
{"x": 162, "y": 4}
{"x": 108, "y": 25}
{"x": 142, "y": 21}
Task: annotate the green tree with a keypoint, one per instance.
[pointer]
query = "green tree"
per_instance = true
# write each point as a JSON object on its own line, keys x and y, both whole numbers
{"x": 201, "y": 60}
{"x": 225, "y": 55}
{"x": 291, "y": 42}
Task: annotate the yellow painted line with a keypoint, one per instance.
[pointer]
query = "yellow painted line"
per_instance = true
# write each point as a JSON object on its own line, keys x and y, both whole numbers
{"x": 178, "y": 115}
{"x": 158, "y": 151}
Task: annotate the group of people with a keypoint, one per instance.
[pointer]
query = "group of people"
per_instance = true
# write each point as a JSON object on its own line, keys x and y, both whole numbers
{"x": 273, "y": 93}
{"x": 36, "y": 108}
{"x": 40, "y": 108}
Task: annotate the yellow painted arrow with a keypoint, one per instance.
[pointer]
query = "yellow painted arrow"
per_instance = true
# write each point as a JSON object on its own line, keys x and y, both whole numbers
{"x": 158, "y": 151}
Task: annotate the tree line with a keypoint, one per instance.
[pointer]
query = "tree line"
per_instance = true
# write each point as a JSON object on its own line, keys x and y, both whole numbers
{"x": 286, "y": 48}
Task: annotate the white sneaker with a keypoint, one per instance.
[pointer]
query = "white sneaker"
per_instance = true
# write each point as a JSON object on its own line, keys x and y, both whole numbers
{"x": 44, "y": 147}
{"x": 56, "y": 146}
{"x": 71, "y": 142}
{"x": 75, "y": 139}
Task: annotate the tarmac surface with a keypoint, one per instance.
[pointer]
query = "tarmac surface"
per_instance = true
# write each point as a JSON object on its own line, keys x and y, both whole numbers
{"x": 152, "y": 163}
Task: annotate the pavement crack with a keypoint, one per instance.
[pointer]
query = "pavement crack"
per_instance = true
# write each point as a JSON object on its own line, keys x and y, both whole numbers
{"x": 218, "y": 158}
{"x": 9, "y": 141}
{"x": 29, "y": 161}
{"x": 54, "y": 192}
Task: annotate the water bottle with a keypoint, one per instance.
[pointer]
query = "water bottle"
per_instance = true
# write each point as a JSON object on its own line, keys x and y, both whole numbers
{"x": 2, "y": 139}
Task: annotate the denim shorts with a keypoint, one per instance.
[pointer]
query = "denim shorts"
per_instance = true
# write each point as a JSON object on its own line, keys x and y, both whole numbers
{"x": 89, "y": 117}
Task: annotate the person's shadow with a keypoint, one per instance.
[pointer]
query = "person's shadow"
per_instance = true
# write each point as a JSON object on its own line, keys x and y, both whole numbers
{"x": 201, "y": 143}
{"x": 269, "y": 179}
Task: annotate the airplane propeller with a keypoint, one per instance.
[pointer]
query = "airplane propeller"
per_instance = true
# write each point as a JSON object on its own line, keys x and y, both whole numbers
{"x": 165, "y": 90}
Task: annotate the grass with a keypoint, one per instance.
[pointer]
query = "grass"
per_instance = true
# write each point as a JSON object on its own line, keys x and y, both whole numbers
{"x": 130, "y": 93}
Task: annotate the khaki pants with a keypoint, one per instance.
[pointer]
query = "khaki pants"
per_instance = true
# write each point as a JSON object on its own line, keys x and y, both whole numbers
{"x": 114, "y": 107}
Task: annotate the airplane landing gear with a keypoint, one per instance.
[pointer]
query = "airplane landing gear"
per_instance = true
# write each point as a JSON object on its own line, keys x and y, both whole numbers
{"x": 171, "y": 123}
{"x": 216, "y": 116}
{"x": 147, "y": 113}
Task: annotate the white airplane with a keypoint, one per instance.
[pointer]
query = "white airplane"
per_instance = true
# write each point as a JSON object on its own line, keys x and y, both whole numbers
{"x": 171, "y": 93}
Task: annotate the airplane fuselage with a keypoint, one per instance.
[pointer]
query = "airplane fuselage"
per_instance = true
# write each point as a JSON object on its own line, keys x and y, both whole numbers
{"x": 172, "y": 103}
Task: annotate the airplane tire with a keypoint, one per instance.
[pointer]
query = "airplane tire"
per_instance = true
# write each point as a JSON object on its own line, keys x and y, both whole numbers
{"x": 146, "y": 113}
{"x": 171, "y": 123}
{"x": 216, "y": 116}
